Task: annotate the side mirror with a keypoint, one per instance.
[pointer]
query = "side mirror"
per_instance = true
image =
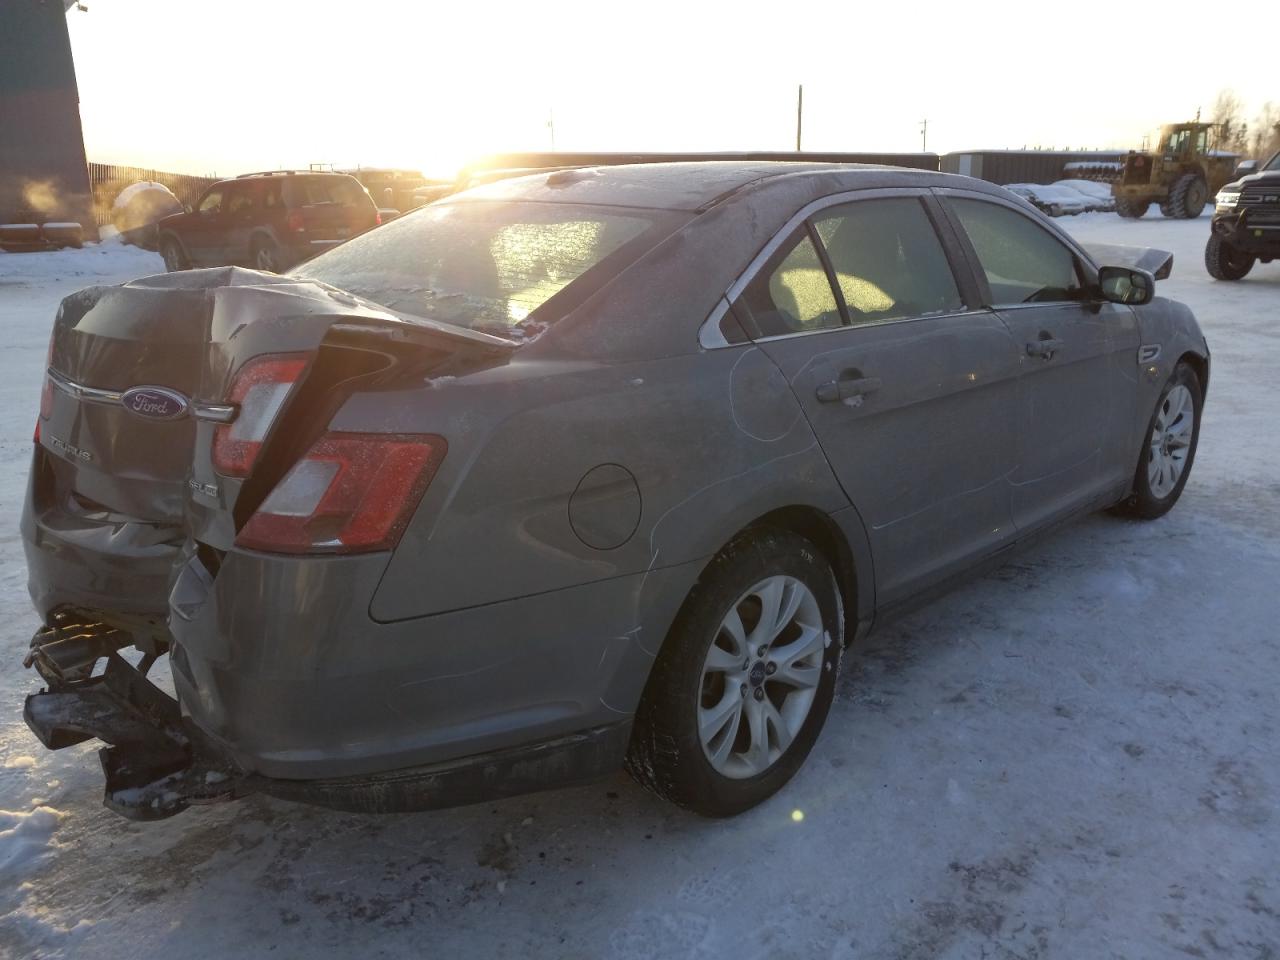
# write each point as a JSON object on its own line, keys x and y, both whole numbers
{"x": 1126, "y": 285}
{"x": 1246, "y": 167}
{"x": 186, "y": 208}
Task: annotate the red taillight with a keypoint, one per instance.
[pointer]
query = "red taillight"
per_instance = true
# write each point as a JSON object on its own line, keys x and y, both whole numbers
{"x": 259, "y": 391}
{"x": 350, "y": 493}
{"x": 377, "y": 218}
{"x": 295, "y": 221}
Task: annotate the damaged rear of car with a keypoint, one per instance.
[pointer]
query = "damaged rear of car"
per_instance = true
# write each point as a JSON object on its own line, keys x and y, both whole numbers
{"x": 173, "y": 410}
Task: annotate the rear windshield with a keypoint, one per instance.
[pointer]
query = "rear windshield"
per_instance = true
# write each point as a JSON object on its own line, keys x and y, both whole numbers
{"x": 504, "y": 268}
{"x": 339, "y": 191}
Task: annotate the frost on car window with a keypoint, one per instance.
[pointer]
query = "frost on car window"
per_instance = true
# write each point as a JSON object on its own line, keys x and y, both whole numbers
{"x": 887, "y": 260}
{"x": 497, "y": 268}
{"x": 1022, "y": 261}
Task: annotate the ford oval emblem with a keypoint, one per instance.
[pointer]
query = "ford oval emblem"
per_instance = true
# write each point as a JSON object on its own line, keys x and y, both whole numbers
{"x": 155, "y": 403}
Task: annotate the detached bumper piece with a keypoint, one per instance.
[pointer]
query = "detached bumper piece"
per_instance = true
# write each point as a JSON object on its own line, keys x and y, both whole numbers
{"x": 155, "y": 764}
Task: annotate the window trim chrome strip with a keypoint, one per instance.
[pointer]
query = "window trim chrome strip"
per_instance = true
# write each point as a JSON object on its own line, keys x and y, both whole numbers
{"x": 213, "y": 412}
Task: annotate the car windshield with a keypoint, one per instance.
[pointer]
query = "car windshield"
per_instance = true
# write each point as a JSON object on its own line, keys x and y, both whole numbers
{"x": 503, "y": 268}
{"x": 1273, "y": 163}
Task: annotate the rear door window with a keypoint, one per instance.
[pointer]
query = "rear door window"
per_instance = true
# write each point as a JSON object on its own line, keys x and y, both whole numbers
{"x": 240, "y": 199}
{"x": 887, "y": 260}
{"x": 1022, "y": 261}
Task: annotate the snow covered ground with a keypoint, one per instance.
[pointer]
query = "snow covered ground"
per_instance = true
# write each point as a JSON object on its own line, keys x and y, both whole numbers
{"x": 1075, "y": 757}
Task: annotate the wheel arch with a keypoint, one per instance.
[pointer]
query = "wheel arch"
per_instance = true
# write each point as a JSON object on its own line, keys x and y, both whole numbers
{"x": 260, "y": 234}
{"x": 168, "y": 233}
{"x": 824, "y": 533}
{"x": 841, "y": 541}
{"x": 1200, "y": 364}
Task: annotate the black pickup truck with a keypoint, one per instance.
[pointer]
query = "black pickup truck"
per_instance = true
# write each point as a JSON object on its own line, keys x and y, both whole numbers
{"x": 1246, "y": 224}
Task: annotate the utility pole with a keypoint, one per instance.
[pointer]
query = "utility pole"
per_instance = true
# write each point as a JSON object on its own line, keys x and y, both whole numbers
{"x": 551, "y": 125}
{"x": 924, "y": 135}
{"x": 799, "y": 114}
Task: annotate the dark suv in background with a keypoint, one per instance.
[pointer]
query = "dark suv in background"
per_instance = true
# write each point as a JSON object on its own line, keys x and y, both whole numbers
{"x": 1246, "y": 223}
{"x": 271, "y": 221}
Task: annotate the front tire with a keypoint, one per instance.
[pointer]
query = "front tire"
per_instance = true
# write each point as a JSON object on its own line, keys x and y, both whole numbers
{"x": 1187, "y": 198}
{"x": 1132, "y": 209}
{"x": 175, "y": 258}
{"x": 1172, "y": 436}
{"x": 745, "y": 678}
{"x": 1225, "y": 262}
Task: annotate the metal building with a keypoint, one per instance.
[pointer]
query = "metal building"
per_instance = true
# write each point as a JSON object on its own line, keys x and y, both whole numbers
{"x": 43, "y": 174}
{"x": 1021, "y": 166}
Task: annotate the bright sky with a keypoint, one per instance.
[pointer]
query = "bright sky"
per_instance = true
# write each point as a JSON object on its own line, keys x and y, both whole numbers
{"x": 253, "y": 84}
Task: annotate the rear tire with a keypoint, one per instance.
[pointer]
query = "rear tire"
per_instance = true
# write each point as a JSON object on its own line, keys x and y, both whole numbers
{"x": 175, "y": 258}
{"x": 1132, "y": 209}
{"x": 1187, "y": 198}
{"x": 1225, "y": 262}
{"x": 717, "y": 730}
{"x": 1173, "y": 433}
{"x": 266, "y": 256}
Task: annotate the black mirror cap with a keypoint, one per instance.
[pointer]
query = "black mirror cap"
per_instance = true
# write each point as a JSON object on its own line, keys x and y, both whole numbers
{"x": 1126, "y": 285}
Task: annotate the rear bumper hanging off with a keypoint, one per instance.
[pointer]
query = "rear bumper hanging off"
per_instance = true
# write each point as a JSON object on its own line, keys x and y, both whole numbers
{"x": 157, "y": 762}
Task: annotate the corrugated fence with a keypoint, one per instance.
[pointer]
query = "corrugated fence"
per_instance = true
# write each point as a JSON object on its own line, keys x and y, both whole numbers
{"x": 108, "y": 179}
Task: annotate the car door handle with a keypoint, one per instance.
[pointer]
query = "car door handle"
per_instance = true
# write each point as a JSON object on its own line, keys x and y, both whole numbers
{"x": 1044, "y": 349}
{"x": 838, "y": 391}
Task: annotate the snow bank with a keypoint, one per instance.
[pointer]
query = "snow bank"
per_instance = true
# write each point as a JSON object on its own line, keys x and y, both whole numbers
{"x": 25, "y": 838}
{"x": 138, "y": 208}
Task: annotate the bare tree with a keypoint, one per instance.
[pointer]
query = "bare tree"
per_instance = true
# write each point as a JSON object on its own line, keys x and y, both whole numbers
{"x": 1226, "y": 112}
{"x": 1240, "y": 139}
{"x": 1266, "y": 132}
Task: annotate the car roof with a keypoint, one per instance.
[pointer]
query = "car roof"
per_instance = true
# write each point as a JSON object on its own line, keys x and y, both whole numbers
{"x": 283, "y": 175}
{"x": 694, "y": 186}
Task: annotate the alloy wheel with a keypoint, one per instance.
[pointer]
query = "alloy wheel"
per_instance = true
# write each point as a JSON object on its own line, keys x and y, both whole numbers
{"x": 760, "y": 676}
{"x": 1170, "y": 441}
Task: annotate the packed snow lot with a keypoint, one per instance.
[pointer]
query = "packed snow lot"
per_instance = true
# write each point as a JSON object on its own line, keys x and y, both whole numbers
{"x": 1074, "y": 757}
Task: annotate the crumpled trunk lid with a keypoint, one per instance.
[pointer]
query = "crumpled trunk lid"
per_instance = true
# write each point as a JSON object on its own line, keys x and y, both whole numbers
{"x": 135, "y": 370}
{"x": 139, "y": 381}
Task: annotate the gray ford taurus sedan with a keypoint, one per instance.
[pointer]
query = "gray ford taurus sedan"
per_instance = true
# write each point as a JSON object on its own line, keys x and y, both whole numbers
{"x": 583, "y": 469}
